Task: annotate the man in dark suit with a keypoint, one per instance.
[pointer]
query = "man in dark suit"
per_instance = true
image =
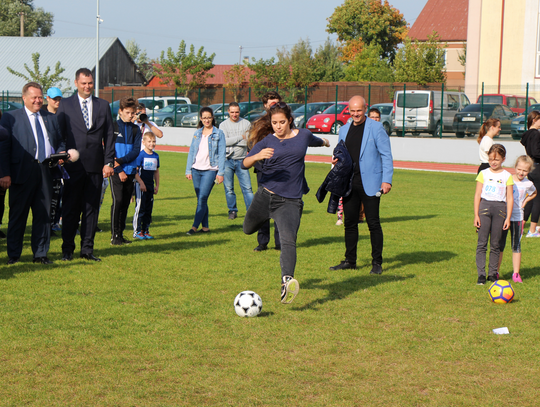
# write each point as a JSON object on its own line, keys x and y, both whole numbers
{"x": 86, "y": 123}
{"x": 32, "y": 137}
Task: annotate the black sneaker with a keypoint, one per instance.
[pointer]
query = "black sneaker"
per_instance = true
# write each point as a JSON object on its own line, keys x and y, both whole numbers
{"x": 344, "y": 265}
{"x": 481, "y": 280}
{"x": 125, "y": 241}
{"x": 233, "y": 215}
{"x": 289, "y": 289}
{"x": 376, "y": 269}
{"x": 117, "y": 241}
{"x": 191, "y": 232}
{"x": 493, "y": 278}
{"x": 261, "y": 248}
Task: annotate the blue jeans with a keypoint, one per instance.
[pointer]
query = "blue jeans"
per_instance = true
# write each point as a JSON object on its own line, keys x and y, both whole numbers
{"x": 203, "y": 181}
{"x": 286, "y": 213}
{"x": 234, "y": 167}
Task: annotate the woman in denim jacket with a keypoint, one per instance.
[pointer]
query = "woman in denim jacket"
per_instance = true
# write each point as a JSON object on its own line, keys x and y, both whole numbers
{"x": 205, "y": 165}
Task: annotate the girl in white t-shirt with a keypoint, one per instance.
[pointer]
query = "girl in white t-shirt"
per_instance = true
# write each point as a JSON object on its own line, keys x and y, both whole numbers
{"x": 493, "y": 202}
{"x": 490, "y": 129}
{"x": 524, "y": 191}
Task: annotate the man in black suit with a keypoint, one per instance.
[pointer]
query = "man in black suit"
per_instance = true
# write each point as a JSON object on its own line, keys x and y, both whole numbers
{"x": 32, "y": 137}
{"x": 86, "y": 123}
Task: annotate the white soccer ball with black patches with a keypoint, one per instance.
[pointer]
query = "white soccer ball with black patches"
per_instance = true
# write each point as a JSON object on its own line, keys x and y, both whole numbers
{"x": 248, "y": 304}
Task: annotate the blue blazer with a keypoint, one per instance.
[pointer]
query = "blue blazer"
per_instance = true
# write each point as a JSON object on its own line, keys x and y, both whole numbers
{"x": 18, "y": 150}
{"x": 376, "y": 163}
{"x": 95, "y": 145}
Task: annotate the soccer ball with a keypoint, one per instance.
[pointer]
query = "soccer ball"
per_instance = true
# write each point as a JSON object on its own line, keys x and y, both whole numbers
{"x": 247, "y": 304}
{"x": 501, "y": 292}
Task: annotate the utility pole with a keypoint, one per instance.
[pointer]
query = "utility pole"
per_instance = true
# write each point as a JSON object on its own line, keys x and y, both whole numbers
{"x": 240, "y": 59}
{"x": 22, "y": 23}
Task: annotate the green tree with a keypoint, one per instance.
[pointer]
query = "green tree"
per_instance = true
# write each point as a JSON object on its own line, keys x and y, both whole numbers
{"x": 421, "y": 62}
{"x": 140, "y": 58}
{"x": 235, "y": 78}
{"x": 300, "y": 63}
{"x": 37, "y": 22}
{"x": 45, "y": 79}
{"x": 185, "y": 71}
{"x": 371, "y": 22}
{"x": 267, "y": 74}
{"x": 327, "y": 64}
{"x": 367, "y": 65}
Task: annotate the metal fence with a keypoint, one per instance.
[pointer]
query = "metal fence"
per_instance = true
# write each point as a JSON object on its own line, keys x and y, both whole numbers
{"x": 433, "y": 110}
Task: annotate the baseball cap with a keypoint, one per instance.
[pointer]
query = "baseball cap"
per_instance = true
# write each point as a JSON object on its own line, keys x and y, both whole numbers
{"x": 54, "y": 93}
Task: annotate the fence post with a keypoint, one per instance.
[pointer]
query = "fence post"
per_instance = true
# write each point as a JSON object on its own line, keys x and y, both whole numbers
{"x": 223, "y": 106}
{"x": 153, "y": 103}
{"x": 112, "y": 98}
{"x": 526, "y": 106}
{"x": 442, "y": 109}
{"x": 175, "y": 104}
{"x": 131, "y": 92}
{"x": 199, "y": 103}
{"x": 482, "y": 106}
{"x": 305, "y": 108}
{"x": 335, "y": 110}
{"x": 369, "y": 96}
{"x": 404, "y": 100}
{"x": 249, "y": 103}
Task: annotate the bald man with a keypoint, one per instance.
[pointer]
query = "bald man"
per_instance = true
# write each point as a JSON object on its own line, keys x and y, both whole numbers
{"x": 369, "y": 147}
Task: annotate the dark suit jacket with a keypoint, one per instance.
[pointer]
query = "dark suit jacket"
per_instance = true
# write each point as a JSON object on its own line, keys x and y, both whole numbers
{"x": 18, "y": 150}
{"x": 3, "y": 136}
{"x": 95, "y": 145}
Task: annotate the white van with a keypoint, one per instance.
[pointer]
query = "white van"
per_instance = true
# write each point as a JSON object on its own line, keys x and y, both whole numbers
{"x": 421, "y": 110}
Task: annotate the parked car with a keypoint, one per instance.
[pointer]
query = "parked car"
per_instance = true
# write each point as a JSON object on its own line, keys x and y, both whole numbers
{"x": 422, "y": 110}
{"x": 166, "y": 116}
{"x": 515, "y": 103}
{"x": 6, "y": 106}
{"x": 518, "y": 124}
{"x": 192, "y": 119}
{"x": 386, "y": 115}
{"x": 158, "y": 103}
{"x": 311, "y": 109}
{"x": 469, "y": 120}
{"x": 326, "y": 121}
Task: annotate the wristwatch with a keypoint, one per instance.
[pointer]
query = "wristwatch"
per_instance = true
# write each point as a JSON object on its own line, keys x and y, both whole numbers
{"x": 110, "y": 165}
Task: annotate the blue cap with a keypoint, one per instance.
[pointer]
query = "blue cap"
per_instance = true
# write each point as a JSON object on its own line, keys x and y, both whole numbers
{"x": 54, "y": 93}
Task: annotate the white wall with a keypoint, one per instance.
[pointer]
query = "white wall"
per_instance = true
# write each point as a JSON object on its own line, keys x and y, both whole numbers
{"x": 453, "y": 151}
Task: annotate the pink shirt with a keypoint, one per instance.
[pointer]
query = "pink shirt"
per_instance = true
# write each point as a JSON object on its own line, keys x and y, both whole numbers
{"x": 202, "y": 160}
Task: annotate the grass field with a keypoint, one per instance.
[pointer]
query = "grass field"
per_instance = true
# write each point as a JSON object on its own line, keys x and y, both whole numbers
{"x": 153, "y": 324}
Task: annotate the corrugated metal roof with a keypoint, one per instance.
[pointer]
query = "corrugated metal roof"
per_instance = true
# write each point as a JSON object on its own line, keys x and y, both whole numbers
{"x": 447, "y": 17}
{"x": 73, "y": 53}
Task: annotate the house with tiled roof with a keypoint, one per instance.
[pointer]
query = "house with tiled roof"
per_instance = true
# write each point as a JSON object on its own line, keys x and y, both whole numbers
{"x": 449, "y": 18}
{"x": 218, "y": 78}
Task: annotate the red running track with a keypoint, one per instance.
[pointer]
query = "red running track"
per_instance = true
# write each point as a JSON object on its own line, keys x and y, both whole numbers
{"x": 405, "y": 165}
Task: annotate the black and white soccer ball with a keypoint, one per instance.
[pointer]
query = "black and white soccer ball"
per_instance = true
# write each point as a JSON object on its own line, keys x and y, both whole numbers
{"x": 247, "y": 304}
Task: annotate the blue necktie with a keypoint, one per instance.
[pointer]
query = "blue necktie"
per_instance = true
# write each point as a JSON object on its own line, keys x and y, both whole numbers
{"x": 85, "y": 114}
{"x": 41, "y": 140}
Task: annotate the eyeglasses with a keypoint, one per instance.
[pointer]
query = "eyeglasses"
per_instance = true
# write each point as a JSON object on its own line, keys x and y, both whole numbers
{"x": 282, "y": 105}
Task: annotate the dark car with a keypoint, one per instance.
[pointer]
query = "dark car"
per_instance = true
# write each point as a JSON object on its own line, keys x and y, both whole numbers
{"x": 192, "y": 119}
{"x": 518, "y": 124}
{"x": 165, "y": 117}
{"x": 469, "y": 120}
{"x": 311, "y": 109}
{"x": 7, "y": 106}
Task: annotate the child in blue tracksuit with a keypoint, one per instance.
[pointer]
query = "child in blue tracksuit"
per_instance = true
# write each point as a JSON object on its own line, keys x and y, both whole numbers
{"x": 148, "y": 171}
{"x": 127, "y": 148}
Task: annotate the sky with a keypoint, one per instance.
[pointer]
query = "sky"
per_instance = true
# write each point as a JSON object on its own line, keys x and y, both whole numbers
{"x": 221, "y": 27}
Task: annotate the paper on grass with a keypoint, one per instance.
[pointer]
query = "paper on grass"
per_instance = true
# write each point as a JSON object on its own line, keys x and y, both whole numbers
{"x": 501, "y": 331}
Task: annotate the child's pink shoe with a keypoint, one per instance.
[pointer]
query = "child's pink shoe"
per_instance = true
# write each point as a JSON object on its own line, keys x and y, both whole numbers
{"x": 517, "y": 278}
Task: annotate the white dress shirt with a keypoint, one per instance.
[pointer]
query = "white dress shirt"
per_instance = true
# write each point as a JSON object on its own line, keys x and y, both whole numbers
{"x": 88, "y": 106}
{"x": 43, "y": 129}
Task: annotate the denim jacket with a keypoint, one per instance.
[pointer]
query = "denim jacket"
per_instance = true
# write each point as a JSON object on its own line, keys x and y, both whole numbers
{"x": 216, "y": 150}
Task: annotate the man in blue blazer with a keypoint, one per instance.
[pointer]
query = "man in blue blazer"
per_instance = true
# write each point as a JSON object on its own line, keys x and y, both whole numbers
{"x": 369, "y": 147}
{"x": 33, "y": 135}
{"x": 86, "y": 123}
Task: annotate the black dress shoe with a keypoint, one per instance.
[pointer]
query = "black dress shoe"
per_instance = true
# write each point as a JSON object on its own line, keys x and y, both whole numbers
{"x": 90, "y": 256}
{"x": 125, "y": 241}
{"x": 2, "y": 235}
{"x": 13, "y": 260}
{"x": 261, "y": 248}
{"x": 42, "y": 260}
{"x": 66, "y": 256}
{"x": 344, "y": 265}
{"x": 376, "y": 269}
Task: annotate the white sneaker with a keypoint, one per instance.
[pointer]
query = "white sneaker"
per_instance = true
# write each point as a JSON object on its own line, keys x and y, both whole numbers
{"x": 339, "y": 222}
{"x": 289, "y": 289}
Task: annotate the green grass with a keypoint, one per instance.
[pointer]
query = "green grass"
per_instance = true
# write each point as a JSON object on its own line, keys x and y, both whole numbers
{"x": 153, "y": 324}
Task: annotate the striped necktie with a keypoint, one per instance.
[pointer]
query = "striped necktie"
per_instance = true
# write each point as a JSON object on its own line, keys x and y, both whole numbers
{"x": 41, "y": 139}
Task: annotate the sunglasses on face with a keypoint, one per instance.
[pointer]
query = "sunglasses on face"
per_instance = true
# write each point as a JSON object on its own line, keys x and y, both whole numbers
{"x": 282, "y": 105}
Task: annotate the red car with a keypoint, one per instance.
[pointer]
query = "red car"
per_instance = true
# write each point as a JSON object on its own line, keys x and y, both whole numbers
{"x": 324, "y": 122}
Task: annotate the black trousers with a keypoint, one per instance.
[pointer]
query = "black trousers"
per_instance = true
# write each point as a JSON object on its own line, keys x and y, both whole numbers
{"x": 34, "y": 194}
{"x": 121, "y": 196}
{"x": 351, "y": 209}
{"x": 82, "y": 193}
{"x": 263, "y": 234}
